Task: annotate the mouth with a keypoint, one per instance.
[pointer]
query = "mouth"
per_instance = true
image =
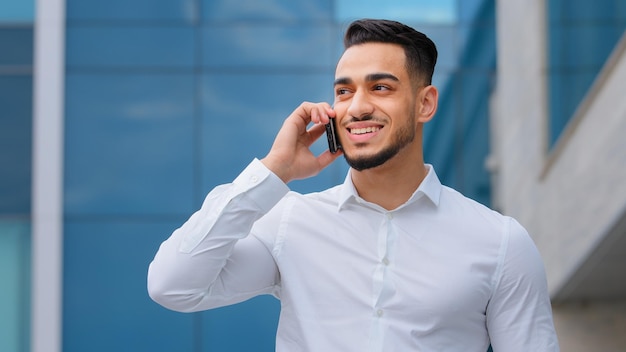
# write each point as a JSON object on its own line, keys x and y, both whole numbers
{"x": 364, "y": 130}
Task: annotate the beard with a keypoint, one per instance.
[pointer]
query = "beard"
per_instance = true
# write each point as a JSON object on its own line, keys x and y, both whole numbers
{"x": 404, "y": 136}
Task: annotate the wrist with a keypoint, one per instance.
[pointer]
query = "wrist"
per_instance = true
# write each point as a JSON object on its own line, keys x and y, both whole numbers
{"x": 276, "y": 167}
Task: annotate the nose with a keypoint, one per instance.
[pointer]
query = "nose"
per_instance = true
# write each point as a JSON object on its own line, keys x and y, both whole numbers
{"x": 360, "y": 106}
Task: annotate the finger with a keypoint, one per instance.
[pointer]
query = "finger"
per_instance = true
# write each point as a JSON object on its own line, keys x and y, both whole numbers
{"x": 304, "y": 112}
{"x": 326, "y": 158}
{"x": 325, "y": 113}
{"x": 315, "y": 115}
{"x": 315, "y": 133}
{"x": 319, "y": 112}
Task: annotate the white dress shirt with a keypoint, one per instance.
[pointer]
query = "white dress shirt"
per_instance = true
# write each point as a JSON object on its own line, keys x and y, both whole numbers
{"x": 439, "y": 273}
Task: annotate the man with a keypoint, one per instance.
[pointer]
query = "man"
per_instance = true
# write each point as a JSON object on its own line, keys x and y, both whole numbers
{"x": 390, "y": 260}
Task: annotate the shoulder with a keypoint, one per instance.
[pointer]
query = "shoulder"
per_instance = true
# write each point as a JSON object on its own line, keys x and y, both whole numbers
{"x": 472, "y": 213}
{"x": 293, "y": 204}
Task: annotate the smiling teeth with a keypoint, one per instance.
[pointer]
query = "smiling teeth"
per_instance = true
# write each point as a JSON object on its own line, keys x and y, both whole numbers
{"x": 364, "y": 130}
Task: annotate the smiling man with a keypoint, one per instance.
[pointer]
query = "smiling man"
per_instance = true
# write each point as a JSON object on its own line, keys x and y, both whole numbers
{"x": 390, "y": 260}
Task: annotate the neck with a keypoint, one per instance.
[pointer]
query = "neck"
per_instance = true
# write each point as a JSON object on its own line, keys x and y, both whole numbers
{"x": 391, "y": 184}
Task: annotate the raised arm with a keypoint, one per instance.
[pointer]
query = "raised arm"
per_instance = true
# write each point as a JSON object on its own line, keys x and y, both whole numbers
{"x": 211, "y": 260}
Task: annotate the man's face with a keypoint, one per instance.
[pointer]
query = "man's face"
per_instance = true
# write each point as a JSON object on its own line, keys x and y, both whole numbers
{"x": 375, "y": 104}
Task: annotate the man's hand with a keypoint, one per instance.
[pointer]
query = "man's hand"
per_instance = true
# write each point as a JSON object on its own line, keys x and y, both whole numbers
{"x": 290, "y": 157}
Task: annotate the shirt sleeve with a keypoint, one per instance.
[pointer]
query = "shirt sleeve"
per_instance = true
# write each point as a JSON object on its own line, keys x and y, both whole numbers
{"x": 519, "y": 314}
{"x": 210, "y": 261}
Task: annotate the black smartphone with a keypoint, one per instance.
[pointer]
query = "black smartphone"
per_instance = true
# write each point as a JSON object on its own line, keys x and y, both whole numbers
{"x": 331, "y": 135}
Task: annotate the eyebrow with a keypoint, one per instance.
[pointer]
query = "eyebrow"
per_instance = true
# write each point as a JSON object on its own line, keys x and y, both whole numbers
{"x": 369, "y": 78}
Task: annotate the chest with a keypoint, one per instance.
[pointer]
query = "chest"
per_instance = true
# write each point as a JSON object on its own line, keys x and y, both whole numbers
{"x": 409, "y": 266}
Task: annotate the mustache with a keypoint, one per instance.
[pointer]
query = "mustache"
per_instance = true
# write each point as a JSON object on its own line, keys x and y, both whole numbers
{"x": 365, "y": 118}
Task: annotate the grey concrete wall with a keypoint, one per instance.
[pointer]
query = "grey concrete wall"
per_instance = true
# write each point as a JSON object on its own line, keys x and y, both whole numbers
{"x": 568, "y": 197}
{"x": 595, "y": 326}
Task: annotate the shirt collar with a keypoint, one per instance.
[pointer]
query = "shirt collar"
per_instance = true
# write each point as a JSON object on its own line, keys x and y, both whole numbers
{"x": 430, "y": 187}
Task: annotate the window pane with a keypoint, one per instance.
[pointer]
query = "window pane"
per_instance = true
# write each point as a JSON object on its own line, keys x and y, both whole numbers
{"x": 243, "y": 113}
{"x": 130, "y": 46}
{"x": 476, "y": 88}
{"x": 221, "y": 10}
{"x": 587, "y": 46}
{"x": 15, "y": 143}
{"x": 15, "y": 292}
{"x": 105, "y": 303}
{"x": 582, "y": 35}
{"x": 445, "y": 38}
{"x": 129, "y": 144}
{"x": 17, "y": 46}
{"x": 440, "y": 133}
{"x": 17, "y": 10}
{"x": 478, "y": 12}
{"x": 130, "y": 10}
{"x": 567, "y": 90}
{"x": 268, "y": 45}
{"x": 585, "y": 10}
{"x": 427, "y": 11}
{"x": 258, "y": 317}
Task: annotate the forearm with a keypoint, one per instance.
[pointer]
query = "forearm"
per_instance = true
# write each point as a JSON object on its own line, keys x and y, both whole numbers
{"x": 188, "y": 270}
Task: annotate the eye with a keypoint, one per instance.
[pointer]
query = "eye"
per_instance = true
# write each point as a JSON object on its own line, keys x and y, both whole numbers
{"x": 381, "y": 87}
{"x": 341, "y": 91}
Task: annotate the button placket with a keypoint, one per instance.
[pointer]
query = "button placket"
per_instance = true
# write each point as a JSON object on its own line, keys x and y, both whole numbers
{"x": 382, "y": 281}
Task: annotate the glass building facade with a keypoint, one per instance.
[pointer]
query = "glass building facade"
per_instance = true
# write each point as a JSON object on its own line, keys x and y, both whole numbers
{"x": 16, "y": 81}
{"x": 165, "y": 99}
{"x": 581, "y": 36}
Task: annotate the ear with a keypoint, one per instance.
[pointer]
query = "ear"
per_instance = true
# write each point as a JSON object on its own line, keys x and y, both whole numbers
{"x": 427, "y": 100}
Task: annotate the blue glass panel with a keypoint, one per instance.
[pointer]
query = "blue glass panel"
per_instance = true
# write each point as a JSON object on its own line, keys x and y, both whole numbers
{"x": 252, "y": 10}
{"x": 555, "y": 15}
{"x": 15, "y": 143}
{"x": 243, "y": 113}
{"x": 247, "y": 326}
{"x": 620, "y": 12}
{"x": 588, "y": 11}
{"x": 15, "y": 292}
{"x": 130, "y": 46}
{"x": 568, "y": 89}
{"x": 440, "y": 133}
{"x": 106, "y": 306}
{"x": 441, "y": 79}
{"x": 129, "y": 144}
{"x": 17, "y": 46}
{"x": 445, "y": 38}
{"x": 479, "y": 12}
{"x": 587, "y": 46}
{"x": 426, "y": 11}
{"x": 555, "y": 47}
{"x": 479, "y": 50}
{"x": 17, "y": 10}
{"x": 131, "y": 10}
{"x": 582, "y": 35}
{"x": 268, "y": 45}
{"x": 557, "y": 118}
{"x": 475, "y": 178}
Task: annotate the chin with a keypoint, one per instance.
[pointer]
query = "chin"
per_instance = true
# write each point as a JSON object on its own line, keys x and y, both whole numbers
{"x": 365, "y": 161}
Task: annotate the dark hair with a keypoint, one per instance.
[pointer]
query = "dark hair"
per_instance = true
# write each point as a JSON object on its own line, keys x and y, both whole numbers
{"x": 420, "y": 51}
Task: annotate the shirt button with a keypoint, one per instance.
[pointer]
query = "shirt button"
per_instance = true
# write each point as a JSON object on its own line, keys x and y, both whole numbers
{"x": 379, "y": 312}
{"x": 386, "y": 261}
{"x": 389, "y": 216}
{"x": 254, "y": 178}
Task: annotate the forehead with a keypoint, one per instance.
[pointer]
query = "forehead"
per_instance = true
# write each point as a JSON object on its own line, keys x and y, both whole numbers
{"x": 364, "y": 59}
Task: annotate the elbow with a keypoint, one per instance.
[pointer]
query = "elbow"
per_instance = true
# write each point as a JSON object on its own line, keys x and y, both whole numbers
{"x": 171, "y": 297}
{"x": 161, "y": 296}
